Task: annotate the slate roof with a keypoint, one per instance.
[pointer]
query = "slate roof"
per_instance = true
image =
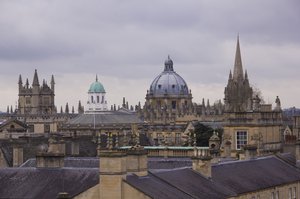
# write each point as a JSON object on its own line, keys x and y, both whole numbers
{"x": 256, "y": 174}
{"x": 169, "y": 163}
{"x": 44, "y": 182}
{"x": 93, "y": 162}
{"x": 106, "y": 117}
{"x": 73, "y": 162}
{"x": 155, "y": 187}
{"x": 193, "y": 183}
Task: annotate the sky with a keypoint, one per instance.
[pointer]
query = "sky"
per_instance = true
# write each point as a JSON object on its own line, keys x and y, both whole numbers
{"x": 126, "y": 43}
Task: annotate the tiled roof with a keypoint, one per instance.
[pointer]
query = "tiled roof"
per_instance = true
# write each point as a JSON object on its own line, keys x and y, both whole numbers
{"x": 193, "y": 183}
{"x": 256, "y": 174}
{"x": 45, "y": 183}
{"x": 106, "y": 117}
{"x": 155, "y": 187}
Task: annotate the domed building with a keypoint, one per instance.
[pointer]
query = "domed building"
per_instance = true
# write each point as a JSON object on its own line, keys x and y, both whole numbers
{"x": 168, "y": 97}
{"x": 96, "y": 97}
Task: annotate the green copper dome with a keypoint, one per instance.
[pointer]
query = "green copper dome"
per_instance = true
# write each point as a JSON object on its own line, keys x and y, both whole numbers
{"x": 96, "y": 87}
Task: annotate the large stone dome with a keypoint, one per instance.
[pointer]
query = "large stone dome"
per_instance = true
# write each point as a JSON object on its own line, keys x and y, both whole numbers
{"x": 96, "y": 87}
{"x": 168, "y": 83}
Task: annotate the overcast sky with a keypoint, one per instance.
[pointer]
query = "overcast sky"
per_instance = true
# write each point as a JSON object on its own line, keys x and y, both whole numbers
{"x": 126, "y": 43}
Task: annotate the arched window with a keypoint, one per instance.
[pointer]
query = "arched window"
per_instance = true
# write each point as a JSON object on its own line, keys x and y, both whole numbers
{"x": 102, "y": 100}
{"x": 98, "y": 99}
{"x": 92, "y": 99}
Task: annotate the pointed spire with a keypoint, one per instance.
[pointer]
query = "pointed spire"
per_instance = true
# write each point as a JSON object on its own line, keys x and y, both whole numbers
{"x": 238, "y": 67}
{"x": 208, "y": 105}
{"x": 27, "y": 83}
{"x": 20, "y": 80}
{"x": 35, "y": 79}
{"x": 67, "y": 108}
{"x": 230, "y": 75}
{"x": 52, "y": 83}
{"x": 52, "y": 80}
{"x": 80, "y": 109}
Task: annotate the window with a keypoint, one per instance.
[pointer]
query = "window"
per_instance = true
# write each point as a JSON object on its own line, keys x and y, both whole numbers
{"x": 294, "y": 193}
{"x": 159, "y": 86}
{"x": 290, "y": 193}
{"x": 177, "y": 138}
{"x": 173, "y": 86}
{"x": 98, "y": 99}
{"x": 173, "y": 104}
{"x": 241, "y": 139}
{"x": 272, "y": 195}
{"x": 92, "y": 99}
{"x": 277, "y": 194}
{"x": 102, "y": 100}
{"x": 28, "y": 100}
{"x": 46, "y": 101}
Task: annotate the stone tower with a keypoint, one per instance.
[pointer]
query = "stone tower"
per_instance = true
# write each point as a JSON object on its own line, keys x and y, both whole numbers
{"x": 36, "y": 99}
{"x": 238, "y": 93}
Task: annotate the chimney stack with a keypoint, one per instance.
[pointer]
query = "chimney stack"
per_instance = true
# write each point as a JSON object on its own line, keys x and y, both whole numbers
{"x": 137, "y": 161}
{"x": 202, "y": 165}
{"x": 54, "y": 157}
{"x": 250, "y": 152}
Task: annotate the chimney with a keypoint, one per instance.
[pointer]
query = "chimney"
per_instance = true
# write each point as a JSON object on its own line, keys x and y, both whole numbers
{"x": 54, "y": 157}
{"x": 137, "y": 161}
{"x": 17, "y": 155}
{"x": 227, "y": 149}
{"x": 112, "y": 172}
{"x": 250, "y": 152}
{"x": 202, "y": 165}
{"x": 75, "y": 147}
{"x": 49, "y": 160}
{"x": 57, "y": 147}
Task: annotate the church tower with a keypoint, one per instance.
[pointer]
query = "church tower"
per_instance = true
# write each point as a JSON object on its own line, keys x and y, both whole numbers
{"x": 36, "y": 99}
{"x": 238, "y": 93}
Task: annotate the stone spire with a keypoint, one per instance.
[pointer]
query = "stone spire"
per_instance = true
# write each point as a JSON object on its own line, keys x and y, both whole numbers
{"x": 27, "y": 83}
{"x": 52, "y": 82}
{"x": 20, "y": 80}
{"x": 238, "y": 67}
{"x": 35, "y": 79}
